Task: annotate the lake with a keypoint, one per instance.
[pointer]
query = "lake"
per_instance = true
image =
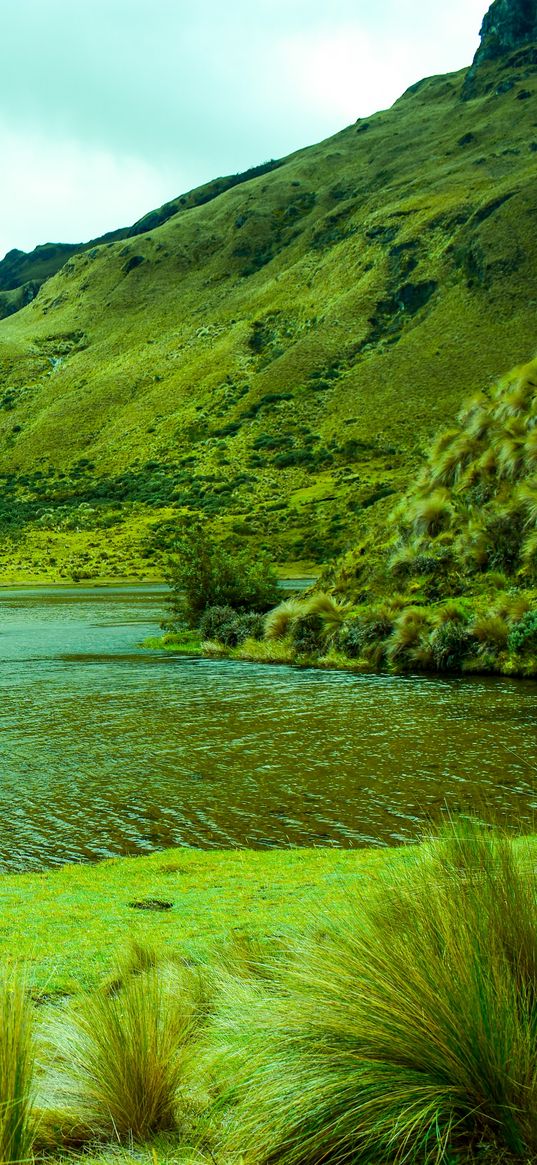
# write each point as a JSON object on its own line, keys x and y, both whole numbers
{"x": 107, "y": 749}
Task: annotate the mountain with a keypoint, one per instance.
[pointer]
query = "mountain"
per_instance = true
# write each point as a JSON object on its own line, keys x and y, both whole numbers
{"x": 278, "y": 355}
{"x": 22, "y": 273}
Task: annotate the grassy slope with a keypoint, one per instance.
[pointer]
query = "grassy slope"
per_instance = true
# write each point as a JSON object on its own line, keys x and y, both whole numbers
{"x": 348, "y": 301}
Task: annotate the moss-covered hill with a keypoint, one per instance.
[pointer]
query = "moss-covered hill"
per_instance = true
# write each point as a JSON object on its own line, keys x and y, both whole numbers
{"x": 277, "y": 357}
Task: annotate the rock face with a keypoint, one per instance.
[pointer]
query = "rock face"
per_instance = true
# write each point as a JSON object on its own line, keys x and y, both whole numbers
{"x": 508, "y": 25}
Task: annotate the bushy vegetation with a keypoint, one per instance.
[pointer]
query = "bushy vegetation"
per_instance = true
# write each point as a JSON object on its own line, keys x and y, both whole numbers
{"x": 476, "y": 497}
{"x": 397, "y": 1026}
{"x": 125, "y": 1047}
{"x": 229, "y": 627}
{"x": 204, "y": 574}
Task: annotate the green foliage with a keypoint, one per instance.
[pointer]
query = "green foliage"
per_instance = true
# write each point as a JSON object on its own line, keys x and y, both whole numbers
{"x": 406, "y": 1031}
{"x": 204, "y": 573}
{"x": 523, "y": 634}
{"x": 307, "y": 633}
{"x": 350, "y": 638}
{"x": 230, "y": 627}
{"x": 17, "y": 1057}
{"x": 310, "y": 623}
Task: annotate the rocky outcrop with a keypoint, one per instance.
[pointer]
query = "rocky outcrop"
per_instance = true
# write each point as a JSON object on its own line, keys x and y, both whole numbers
{"x": 508, "y": 41}
{"x": 508, "y": 25}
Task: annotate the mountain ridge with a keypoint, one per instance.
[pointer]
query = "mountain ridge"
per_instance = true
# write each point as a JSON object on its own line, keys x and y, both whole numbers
{"x": 277, "y": 359}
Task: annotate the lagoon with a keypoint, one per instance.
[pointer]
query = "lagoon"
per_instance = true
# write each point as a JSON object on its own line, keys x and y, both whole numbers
{"x": 107, "y": 749}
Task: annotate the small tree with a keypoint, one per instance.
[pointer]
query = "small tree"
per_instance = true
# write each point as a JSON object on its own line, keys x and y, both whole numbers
{"x": 204, "y": 573}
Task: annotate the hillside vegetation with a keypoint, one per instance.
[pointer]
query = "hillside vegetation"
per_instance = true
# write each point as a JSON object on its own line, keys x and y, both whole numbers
{"x": 277, "y": 358}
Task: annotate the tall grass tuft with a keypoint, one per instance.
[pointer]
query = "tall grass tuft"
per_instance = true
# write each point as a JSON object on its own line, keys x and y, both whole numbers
{"x": 126, "y": 1050}
{"x": 17, "y": 1122}
{"x": 407, "y": 1032}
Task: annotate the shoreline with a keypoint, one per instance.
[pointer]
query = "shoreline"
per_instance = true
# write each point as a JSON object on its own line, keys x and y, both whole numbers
{"x": 337, "y": 663}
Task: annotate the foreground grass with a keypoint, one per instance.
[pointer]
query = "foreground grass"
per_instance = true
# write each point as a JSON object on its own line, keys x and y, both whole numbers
{"x": 368, "y": 1007}
{"x": 406, "y": 1031}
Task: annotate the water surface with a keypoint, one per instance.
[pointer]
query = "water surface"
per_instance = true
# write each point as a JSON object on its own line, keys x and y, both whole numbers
{"x": 107, "y": 749}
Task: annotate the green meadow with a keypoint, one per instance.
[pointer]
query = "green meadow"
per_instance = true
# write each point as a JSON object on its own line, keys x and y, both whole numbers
{"x": 364, "y": 1006}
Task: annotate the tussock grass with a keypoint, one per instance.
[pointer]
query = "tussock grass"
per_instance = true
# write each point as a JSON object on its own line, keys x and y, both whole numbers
{"x": 279, "y": 621}
{"x": 431, "y": 513}
{"x": 406, "y": 1031}
{"x": 283, "y": 619}
{"x": 126, "y": 1048}
{"x": 17, "y": 1120}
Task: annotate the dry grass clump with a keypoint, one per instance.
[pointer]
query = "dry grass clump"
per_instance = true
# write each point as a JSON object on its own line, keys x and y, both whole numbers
{"x": 17, "y": 1060}
{"x": 409, "y": 639}
{"x": 126, "y": 1048}
{"x": 406, "y": 1032}
{"x": 490, "y": 632}
{"x": 278, "y": 622}
{"x": 431, "y": 513}
{"x": 283, "y": 619}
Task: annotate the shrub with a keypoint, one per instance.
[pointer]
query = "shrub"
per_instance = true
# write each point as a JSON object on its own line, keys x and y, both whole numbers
{"x": 214, "y": 619}
{"x": 306, "y": 620}
{"x": 522, "y": 637}
{"x": 126, "y": 1050}
{"x": 368, "y": 635}
{"x": 407, "y": 1032}
{"x": 491, "y": 632}
{"x": 17, "y": 1123}
{"x": 494, "y": 541}
{"x": 408, "y": 642}
{"x": 230, "y": 627}
{"x": 204, "y": 573}
{"x": 450, "y": 642}
{"x": 350, "y": 638}
{"x": 307, "y": 633}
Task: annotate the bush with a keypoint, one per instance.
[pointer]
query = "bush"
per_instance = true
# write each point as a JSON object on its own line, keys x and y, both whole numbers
{"x": 310, "y": 622}
{"x": 307, "y": 633}
{"x": 350, "y": 638}
{"x": 522, "y": 637}
{"x": 204, "y": 573}
{"x": 407, "y": 1032}
{"x": 229, "y": 627}
{"x": 450, "y": 643}
{"x": 367, "y": 635}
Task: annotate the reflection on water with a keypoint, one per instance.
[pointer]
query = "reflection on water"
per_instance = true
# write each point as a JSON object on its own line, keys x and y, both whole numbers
{"x": 106, "y": 749}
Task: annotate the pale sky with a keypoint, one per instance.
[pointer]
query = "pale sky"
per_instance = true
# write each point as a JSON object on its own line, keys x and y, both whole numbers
{"x": 108, "y": 108}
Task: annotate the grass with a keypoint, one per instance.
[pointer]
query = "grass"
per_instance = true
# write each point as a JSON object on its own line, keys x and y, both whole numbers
{"x": 367, "y": 1006}
{"x": 67, "y": 925}
{"x": 403, "y": 1031}
{"x": 124, "y": 1050}
{"x": 17, "y": 1055}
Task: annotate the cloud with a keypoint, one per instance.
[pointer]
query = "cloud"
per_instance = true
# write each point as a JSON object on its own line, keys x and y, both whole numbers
{"x": 48, "y": 183}
{"x": 114, "y": 106}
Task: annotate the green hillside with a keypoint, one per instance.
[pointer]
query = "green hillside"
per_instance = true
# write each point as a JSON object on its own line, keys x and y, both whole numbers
{"x": 276, "y": 358}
